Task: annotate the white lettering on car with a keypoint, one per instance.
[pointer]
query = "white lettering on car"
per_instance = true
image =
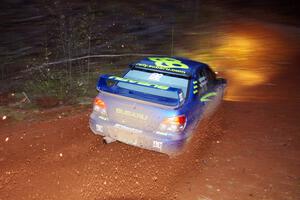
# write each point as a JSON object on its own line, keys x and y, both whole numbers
{"x": 132, "y": 130}
{"x": 157, "y": 144}
{"x": 202, "y": 81}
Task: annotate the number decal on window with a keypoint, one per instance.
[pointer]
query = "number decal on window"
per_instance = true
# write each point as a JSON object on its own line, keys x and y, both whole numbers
{"x": 155, "y": 77}
{"x": 202, "y": 81}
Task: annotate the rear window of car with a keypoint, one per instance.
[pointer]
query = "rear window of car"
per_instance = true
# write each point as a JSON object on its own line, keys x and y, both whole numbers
{"x": 155, "y": 78}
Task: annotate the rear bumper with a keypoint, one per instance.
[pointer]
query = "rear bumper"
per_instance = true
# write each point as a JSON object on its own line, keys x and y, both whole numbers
{"x": 140, "y": 138}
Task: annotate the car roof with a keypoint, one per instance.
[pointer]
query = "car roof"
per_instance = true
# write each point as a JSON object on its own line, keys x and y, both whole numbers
{"x": 171, "y": 65}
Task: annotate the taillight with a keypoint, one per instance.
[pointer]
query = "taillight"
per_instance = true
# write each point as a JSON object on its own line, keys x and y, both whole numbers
{"x": 99, "y": 102}
{"x": 173, "y": 124}
{"x": 100, "y": 108}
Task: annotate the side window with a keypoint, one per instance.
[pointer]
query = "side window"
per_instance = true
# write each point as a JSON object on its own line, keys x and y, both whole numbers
{"x": 202, "y": 81}
{"x": 210, "y": 75}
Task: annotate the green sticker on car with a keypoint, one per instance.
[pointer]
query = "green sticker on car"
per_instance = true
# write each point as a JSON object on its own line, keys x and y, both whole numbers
{"x": 116, "y": 78}
{"x": 207, "y": 97}
{"x": 166, "y": 62}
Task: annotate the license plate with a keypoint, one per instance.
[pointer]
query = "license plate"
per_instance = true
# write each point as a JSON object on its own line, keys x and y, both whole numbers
{"x": 126, "y": 134}
{"x": 127, "y": 138}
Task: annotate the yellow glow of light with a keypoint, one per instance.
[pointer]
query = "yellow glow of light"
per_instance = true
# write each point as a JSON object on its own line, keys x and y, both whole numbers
{"x": 247, "y": 78}
{"x": 238, "y": 47}
{"x": 241, "y": 54}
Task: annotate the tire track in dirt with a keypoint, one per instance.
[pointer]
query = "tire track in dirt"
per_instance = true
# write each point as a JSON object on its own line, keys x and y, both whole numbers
{"x": 62, "y": 159}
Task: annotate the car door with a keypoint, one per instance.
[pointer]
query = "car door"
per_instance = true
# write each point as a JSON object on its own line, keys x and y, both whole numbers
{"x": 211, "y": 94}
{"x": 206, "y": 94}
{"x": 208, "y": 90}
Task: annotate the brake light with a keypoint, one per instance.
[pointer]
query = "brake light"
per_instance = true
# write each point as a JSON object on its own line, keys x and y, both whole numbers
{"x": 99, "y": 102}
{"x": 173, "y": 124}
{"x": 178, "y": 120}
{"x": 100, "y": 108}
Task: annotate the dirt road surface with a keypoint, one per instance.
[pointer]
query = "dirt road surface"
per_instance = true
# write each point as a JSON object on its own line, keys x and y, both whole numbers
{"x": 249, "y": 149}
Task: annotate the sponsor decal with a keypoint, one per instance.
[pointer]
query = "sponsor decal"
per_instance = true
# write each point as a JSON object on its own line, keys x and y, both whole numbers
{"x": 207, "y": 96}
{"x": 181, "y": 97}
{"x": 195, "y": 87}
{"x": 157, "y": 144}
{"x": 165, "y": 62}
{"x": 160, "y": 68}
{"x": 162, "y": 87}
{"x": 203, "y": 81}
{"x": 132, "y": 130}
{"x": 132, "y": 114}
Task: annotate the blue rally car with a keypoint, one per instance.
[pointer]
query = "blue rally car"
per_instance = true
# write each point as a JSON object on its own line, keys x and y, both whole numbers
{"x": 156, "y": 104}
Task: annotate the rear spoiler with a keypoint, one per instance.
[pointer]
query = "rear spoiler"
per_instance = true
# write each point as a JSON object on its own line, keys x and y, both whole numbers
{"x": 103, "y": 85}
